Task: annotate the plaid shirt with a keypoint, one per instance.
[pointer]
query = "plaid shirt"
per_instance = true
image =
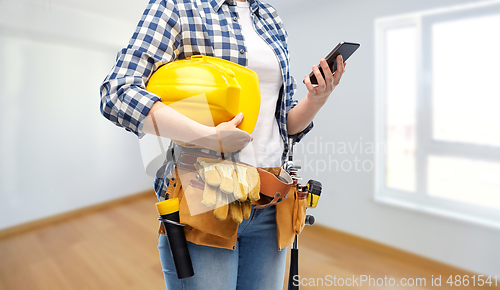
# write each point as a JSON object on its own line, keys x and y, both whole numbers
{"x": 176, "y": 29}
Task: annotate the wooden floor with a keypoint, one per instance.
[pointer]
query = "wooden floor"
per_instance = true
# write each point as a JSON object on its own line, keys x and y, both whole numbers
{"x": 115, "y": 248}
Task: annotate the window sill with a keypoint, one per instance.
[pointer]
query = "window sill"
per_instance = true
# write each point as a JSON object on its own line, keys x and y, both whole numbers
{"x": 439, "y": 212}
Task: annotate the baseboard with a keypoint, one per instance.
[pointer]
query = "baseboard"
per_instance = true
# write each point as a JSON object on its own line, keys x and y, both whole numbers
{"x": 39, "y": 223}
{"x": 375, "y": 246}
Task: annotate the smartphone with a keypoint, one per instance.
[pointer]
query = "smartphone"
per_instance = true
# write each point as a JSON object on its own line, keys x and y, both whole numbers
{"x": 346, "y": 49}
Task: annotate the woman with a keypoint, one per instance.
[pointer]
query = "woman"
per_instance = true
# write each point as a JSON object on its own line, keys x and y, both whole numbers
{"x": 250, "y": 34}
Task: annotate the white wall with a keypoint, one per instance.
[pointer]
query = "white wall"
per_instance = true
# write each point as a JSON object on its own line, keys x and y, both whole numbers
{"x": 314, "y": 28}
{"x": 57, "y": 152}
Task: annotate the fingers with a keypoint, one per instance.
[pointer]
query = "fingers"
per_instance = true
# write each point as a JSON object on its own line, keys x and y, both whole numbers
{"x": 237, "y": 119}
{"x": 230, "y": 127}
{"x": 238, "y": 190}
{"x": 209, "y": 196}
{"x": 234, "y": 140}
{"x": 307, "y": 82}
{"x": 246, "y": 208}
{"x": 342, "y": 64}
{"x": 328, "y": 72}
{"x": 242, "y": 192}
{"x": 225, "y": 171}
{"x": 328, "y": 81}
{"x": 249, "y": 137}
{"x": 221, "y": 207}
{"x": 319, "y": 77}
{"x": 253, "y": 184}
{"x": 340, "y": 70}
{"x": 230, "y": 138}
{"x": 212, "y": 177}
{"x": 236, "y": 212}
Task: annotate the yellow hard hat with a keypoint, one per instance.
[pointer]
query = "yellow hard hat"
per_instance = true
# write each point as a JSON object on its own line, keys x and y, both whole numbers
{"x": 209, "y": 90}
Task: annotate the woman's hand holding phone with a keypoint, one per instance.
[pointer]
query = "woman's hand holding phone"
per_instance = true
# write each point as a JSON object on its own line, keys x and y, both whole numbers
{"x": 319, "y": 94}
{"x": 303, "y": 113}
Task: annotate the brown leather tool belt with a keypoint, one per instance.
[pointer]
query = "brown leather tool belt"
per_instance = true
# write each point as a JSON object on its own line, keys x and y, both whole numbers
{"x": 275, "y": 183}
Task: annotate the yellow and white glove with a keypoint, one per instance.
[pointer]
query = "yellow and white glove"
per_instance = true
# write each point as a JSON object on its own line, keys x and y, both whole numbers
{"x": 229, "y": 186}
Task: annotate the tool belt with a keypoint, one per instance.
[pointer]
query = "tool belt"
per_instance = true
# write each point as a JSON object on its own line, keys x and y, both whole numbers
{"x": 277, "y": 189}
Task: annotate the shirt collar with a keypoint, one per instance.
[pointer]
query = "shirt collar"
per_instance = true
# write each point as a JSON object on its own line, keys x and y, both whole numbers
{"x": 217, "y": 4}
{"x": 254, "y": 5}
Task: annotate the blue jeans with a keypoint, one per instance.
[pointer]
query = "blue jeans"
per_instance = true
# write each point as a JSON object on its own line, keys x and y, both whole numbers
{"x": 256, "y": 263}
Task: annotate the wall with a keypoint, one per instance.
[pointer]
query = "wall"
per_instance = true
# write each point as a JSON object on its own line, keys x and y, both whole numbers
{"x": 57, "y": 152}
{"x": 346, "y": 127}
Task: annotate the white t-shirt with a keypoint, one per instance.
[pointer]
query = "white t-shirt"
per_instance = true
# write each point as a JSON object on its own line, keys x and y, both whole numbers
{"x": 267, "y": 146}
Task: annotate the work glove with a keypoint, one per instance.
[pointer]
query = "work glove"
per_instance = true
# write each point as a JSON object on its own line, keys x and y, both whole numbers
{"x": 229, "y": 187}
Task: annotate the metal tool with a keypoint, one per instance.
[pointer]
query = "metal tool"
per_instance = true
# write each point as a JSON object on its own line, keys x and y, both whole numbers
{"x": 313, "y": 189}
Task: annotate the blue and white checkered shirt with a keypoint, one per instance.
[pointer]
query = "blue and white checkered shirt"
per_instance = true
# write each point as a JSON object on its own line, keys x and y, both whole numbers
{"x": 176, "y": 29}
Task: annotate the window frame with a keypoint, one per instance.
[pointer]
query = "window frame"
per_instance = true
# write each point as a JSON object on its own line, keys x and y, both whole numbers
{"x": 426, "y": 146}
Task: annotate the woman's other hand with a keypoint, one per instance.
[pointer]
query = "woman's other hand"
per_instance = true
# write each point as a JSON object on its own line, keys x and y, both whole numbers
{"x": 175, "y": 126}
{"x": 231, "y": 138}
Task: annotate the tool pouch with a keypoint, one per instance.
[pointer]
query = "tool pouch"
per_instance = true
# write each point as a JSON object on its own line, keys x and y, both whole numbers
{"x": 275, "y": 186}
{"x": 299, "y": 212}
{"x": 202, "y": 228}
{"x": 290, "y": 218}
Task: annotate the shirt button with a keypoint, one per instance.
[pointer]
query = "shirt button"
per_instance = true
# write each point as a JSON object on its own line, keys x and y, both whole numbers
{"x": 235, "y": 18}
{"x": 242, "y": 51}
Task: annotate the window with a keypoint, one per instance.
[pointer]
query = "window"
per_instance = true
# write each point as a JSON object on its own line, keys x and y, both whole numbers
{"x": 438, "y": 111}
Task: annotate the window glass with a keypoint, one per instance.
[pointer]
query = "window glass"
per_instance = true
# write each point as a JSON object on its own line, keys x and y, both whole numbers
{"x": 465, "y": 75}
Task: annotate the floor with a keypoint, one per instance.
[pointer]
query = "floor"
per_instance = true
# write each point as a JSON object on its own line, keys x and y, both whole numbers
{"x": 115, "y": 248}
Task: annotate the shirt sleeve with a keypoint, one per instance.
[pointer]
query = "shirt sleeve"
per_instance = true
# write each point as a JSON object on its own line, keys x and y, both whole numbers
{"x": 156, "y": 41}
{"x": 292, "y": 84}
{"x": 289, "y": 105}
